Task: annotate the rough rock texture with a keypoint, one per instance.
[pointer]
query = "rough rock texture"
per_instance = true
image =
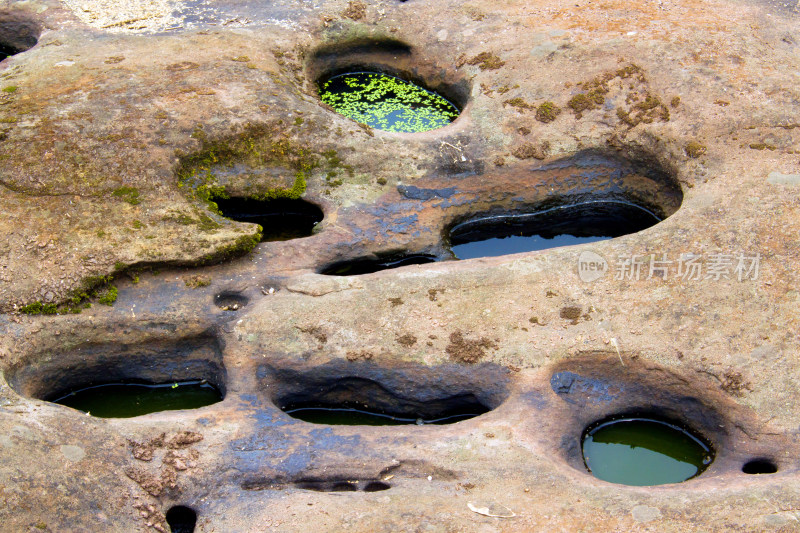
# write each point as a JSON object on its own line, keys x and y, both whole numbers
{"x": 117, "y": 119}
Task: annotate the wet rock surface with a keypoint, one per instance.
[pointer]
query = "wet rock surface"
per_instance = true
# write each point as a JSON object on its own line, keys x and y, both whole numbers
{"x": 118, "y": 124}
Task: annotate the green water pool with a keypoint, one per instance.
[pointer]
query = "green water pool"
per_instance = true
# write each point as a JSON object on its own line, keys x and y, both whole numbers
{"x": 641, "y": 451}
{"x": 387, "y": 103}
{"x": 358, "y": 417}
{"x": 126, "y": 400}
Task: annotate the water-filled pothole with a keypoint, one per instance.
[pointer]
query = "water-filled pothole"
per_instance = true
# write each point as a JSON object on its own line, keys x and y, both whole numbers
{"x": 386, "y": 102}
{"x": 122, "y": 380}
{"x": 280, "y": 219}
{"x": 361, "y": 266}
{"x": 367, "y": 394}
{"x": 759, "y": 466}
{"x": 503, "y": 234}
{"x": 644, "y": 451}
{"x": 126, "y": 400}
{"x": 181, "y": 519}
{"x": 353, "y": 416}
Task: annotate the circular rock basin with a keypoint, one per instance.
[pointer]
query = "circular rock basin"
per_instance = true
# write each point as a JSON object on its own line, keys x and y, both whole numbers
{"x": 387, "y": 103}
{"x": 642, "y": 451}
{"x": 126, "y": 400}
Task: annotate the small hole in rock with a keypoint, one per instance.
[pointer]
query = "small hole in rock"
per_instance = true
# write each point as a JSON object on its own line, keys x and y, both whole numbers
{"x": 502, "y": 234}
{"x": 181, "y": 519}
{"x": 386, "y": 102}
{"x": 376, "y": 486}
{"x": 230, "y": 301}
{"x": 280, "y": 220}
{"x": 357, "y": 267}
{"x": 759, "y": 466}
{"x": 644, "y": 451}
{"x": 126, "y": 400}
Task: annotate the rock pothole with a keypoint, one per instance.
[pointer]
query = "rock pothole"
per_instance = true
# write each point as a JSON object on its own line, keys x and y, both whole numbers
{"x": 19, "y": 32}
{"x": 280, "y": 219}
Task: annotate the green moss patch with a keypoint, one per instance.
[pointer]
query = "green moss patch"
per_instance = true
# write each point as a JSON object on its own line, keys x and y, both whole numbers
{"x": 486, "y": 61}
{"x": 127, "y": 194}
{"x": 694, "y": 149}
{"x": 547, "y": 112}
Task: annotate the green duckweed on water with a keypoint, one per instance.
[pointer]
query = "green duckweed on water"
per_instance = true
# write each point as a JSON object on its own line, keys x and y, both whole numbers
{"x": 387, "y": 103}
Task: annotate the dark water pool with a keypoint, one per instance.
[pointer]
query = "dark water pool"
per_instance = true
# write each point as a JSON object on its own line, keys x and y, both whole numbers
{"x": 358, "y": 267}
{"x": 280, "y": 220}
{"x": 492, "y": 236}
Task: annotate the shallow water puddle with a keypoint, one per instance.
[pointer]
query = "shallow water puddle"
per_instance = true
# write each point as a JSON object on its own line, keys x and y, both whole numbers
{"x": 280, "y": 220}
{"x": 640, "y": 451}
{"x": 343, "y": 416}
{"x": 126, "y": 400}
{"x": 492, "y": 236}
{"x": 387, "y": 103}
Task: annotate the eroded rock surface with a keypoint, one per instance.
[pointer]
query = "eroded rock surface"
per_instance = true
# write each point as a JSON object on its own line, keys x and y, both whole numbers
{"x": 118, "y": 121}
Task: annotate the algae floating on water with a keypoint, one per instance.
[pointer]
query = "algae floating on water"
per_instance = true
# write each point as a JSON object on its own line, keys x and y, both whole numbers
{"x": 387, "y": 103}
{"x": 126, "y": 400}
{"x": 643, "y": 452}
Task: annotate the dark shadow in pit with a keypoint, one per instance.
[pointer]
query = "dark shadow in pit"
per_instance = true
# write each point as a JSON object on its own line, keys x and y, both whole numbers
{"x": 56, "y": 374}
{"x": 759, "y": 466}
{"x": 341, "y": 485}
{"x": 280, "y": 219}
{"x": 230, "y": 300}
{"x": 181, "y": 519}
{"x": 409, "y": 394}
{"x": 18, "y": 32}
{"x": 369, "y": 265}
